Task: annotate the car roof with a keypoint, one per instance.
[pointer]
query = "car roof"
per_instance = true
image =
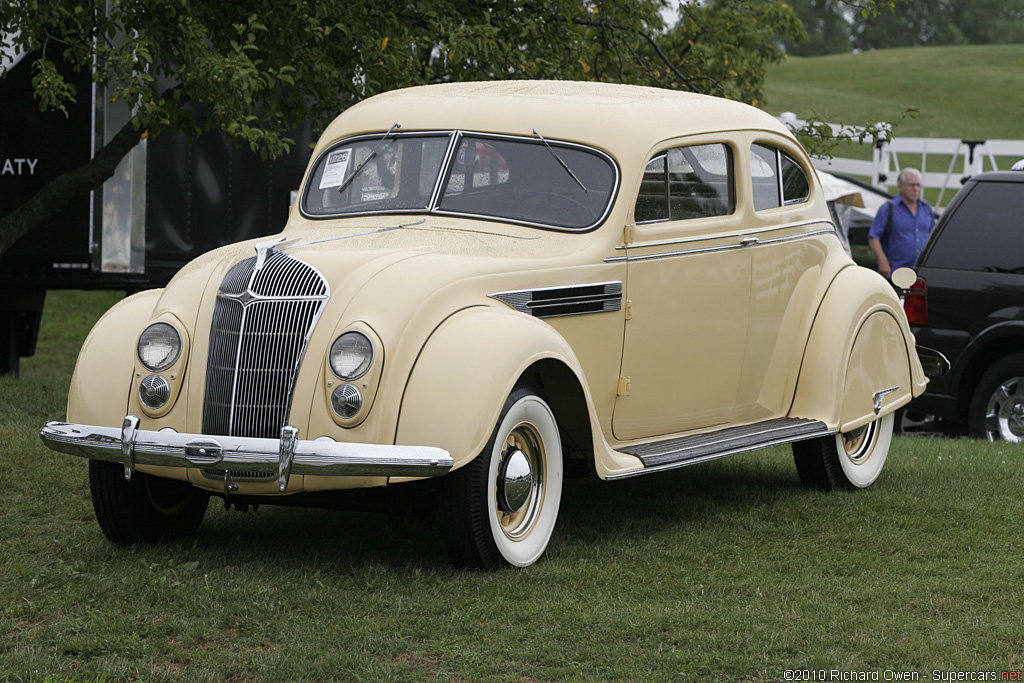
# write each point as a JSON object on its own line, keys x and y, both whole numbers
{"x": 999, "y": 177}
{"x": 608, "y": 115}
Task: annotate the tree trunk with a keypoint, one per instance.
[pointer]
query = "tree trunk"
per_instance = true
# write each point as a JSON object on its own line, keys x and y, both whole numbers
{"x": 59, "y": 191}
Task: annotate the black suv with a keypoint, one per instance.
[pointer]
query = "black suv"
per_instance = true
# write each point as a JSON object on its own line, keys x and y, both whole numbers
{"x": 968, "y": 304}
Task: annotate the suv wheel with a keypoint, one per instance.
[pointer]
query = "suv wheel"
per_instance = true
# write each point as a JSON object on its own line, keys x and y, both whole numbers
{"x": 997, "y": 406}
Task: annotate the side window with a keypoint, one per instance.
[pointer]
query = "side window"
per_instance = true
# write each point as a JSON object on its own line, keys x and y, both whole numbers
{"x": 687, "y": 182}
{"x": 777, "y": 178}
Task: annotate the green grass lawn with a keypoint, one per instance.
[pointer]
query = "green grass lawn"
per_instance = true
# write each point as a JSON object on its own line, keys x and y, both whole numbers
{"x": 729, "y": 571}
{"x": 967, "y": 92}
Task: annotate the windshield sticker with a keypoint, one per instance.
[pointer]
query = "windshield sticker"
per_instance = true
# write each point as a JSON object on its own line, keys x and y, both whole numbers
{"x": 337, "y": 166}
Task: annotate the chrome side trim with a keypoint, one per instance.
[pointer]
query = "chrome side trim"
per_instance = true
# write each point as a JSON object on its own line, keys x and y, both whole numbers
{"x": 667, "y": 454}
{"x": 172, "y": 449}
{"x": 725, "y": 235}
{"x": 551, "y": 302}
{"x": 744, "y": 243}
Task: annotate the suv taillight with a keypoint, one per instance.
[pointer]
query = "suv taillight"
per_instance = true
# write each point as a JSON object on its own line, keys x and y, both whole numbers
{"x": 915, "y": 303}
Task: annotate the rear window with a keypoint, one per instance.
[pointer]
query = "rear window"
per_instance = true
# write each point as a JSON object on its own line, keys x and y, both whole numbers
{"x": 984, "y": 232}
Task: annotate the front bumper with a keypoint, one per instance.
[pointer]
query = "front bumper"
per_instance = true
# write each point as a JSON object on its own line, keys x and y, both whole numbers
{"x": 289, "y": 454}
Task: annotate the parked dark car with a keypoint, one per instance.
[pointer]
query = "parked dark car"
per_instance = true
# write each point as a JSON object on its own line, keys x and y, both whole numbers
{"x": 968, "y": 304}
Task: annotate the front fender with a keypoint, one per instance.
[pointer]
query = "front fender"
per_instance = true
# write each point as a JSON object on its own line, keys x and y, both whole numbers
{"x": 860, "y": 361}
{"x": 466, "y": 370}
{"x": 103, "y": 374}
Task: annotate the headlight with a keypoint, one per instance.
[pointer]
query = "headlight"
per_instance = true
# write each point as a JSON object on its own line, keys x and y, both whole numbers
{"x": 159, "y": 346}
{"x": 351, "y": 355}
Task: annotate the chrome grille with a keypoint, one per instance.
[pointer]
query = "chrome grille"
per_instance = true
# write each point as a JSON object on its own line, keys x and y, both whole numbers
{"x": 266, "y": 309}
{"x": 239, "y": 475}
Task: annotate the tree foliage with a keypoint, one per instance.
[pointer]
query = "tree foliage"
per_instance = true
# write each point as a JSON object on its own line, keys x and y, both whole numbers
{"x": 835, "y": 26}
{"x": 944, "y": 22}
{"x": 725, "y": 46}
{"x": 256, "y": 69}
{"x": 828, "y": 28}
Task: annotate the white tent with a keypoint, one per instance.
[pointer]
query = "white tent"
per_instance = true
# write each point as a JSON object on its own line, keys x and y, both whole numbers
{"x": 853, "y": 204}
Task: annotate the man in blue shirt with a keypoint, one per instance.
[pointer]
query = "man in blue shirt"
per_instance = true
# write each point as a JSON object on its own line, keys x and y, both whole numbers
{"x": 902, "y": 225}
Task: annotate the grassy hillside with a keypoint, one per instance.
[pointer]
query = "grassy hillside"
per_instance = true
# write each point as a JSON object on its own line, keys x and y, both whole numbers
{"x": 969, "y": 92}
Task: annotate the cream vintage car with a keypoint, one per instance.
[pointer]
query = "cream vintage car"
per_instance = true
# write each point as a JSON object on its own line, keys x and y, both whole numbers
{"x": 493, "y": 284}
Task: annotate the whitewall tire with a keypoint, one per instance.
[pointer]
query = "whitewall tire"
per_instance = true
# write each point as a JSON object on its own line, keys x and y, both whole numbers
{"x": 502, "y": 507}
{"x": 850, "y": 460}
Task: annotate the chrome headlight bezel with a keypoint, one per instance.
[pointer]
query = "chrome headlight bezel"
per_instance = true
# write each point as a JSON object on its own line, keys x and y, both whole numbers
{"x": 351, "y": 355}
{"x": 159, "y": 346}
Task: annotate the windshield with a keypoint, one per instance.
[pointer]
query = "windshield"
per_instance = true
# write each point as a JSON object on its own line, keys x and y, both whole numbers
{"x": 523, "y": 180}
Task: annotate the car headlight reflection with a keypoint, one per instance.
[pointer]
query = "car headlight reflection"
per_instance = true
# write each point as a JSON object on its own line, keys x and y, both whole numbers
{"x": 351, "y": 356}
{"x": 159, "y": 346}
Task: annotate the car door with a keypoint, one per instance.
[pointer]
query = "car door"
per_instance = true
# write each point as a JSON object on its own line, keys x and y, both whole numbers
{"x": 688, "y": 295}
{"x": 794, "y": 253}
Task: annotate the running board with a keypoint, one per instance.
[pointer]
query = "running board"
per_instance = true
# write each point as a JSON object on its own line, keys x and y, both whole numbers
{"x": 690, "y": 450}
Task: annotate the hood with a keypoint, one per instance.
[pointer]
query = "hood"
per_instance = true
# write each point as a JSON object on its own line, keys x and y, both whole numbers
{"x": 412, "y": 257}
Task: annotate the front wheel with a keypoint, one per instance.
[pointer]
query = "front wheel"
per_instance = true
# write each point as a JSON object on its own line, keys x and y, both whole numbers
{"x": 850, "y": 460}
{"x": 502, "y": 507}
{"x": 145, "y": 509}
{"x": 996, "y": 412}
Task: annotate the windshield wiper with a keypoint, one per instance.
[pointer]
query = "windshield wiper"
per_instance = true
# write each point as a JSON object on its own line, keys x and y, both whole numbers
{"x": 559, "y": 160}
{"x": 372, "y": 154}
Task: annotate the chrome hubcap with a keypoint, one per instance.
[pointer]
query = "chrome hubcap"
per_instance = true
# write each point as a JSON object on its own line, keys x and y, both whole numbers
{"x": 515, "y": 480}
{"x": 520, "y": 481}
{"x": 858, "y": 442}
{"x": 1004, "y": 416}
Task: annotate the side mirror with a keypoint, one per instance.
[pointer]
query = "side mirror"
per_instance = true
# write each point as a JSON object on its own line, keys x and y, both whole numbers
{"x": 904, "y": 278}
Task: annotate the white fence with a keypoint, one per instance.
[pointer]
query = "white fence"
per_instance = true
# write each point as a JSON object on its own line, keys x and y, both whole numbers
{"x": 958, "y": 160}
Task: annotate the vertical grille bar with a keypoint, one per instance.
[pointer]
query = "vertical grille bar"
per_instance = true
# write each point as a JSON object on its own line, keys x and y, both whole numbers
{"x": 262, "y": 321}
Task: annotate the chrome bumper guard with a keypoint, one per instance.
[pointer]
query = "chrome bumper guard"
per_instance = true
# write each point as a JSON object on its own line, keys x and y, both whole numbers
{"x": 935, "y": 364}
{"x": 289, "y": 454}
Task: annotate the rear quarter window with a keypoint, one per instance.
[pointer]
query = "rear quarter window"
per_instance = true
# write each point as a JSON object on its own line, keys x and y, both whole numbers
{"x": 984, "y": 232}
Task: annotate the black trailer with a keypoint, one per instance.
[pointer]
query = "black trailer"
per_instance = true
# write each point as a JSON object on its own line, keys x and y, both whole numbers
{"x": 170, "y": 200}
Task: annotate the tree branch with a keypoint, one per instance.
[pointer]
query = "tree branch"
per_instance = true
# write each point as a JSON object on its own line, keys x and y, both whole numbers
{"x": 646, "y": 36}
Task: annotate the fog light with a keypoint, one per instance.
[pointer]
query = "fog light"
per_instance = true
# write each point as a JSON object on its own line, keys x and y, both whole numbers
{"x": 154, "y": 391}
{"x": 346, "y": 400}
